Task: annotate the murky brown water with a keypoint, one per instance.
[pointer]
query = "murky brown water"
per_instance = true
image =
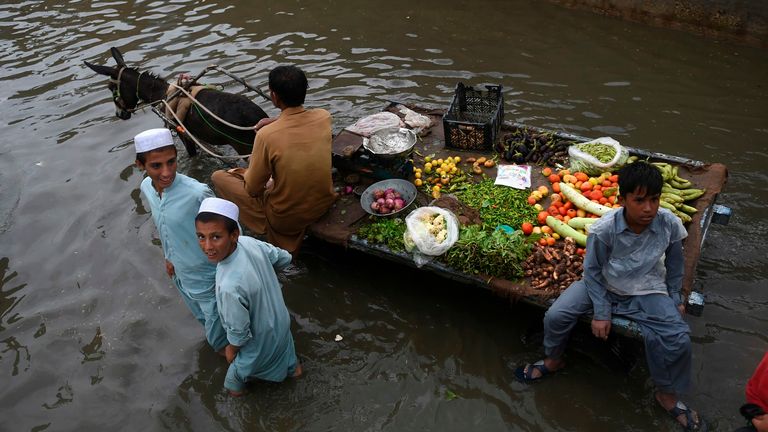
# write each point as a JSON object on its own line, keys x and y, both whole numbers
{"x": 93, "y": 336}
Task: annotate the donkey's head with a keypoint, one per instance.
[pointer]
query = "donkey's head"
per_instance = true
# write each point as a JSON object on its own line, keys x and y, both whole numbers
{"x": 124, "y": 83}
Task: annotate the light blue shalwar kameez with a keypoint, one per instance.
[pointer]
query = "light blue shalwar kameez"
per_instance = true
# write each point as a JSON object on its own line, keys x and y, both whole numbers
{"x": 174, "y": 214}
{"x": 254, "y": 314}
{"x": 639, "y": 277}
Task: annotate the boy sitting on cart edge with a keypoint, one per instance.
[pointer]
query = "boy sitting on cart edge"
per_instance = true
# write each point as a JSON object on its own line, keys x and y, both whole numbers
{"x": 634, "y": 269}
{"x": 174, "y": 200}
{"x": 249, "y": 297}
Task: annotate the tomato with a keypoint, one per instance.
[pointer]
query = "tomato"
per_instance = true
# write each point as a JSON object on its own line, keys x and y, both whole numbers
{"x": 554, "y": 178}
{"x": 581, "y": 213}
{"x": 550, "y": 241}
{"x": 555, "y": 198}
{"x": 556, "y": 187}
{"x": 531, "y": 200}
{"x": 581, "y": 176}
{"x": 563, "y": 211}
{"x": 572, "y": 213}
{"x": 527, "y": 228}
{"x": 543, "y": 241}
{"x": 546, "y": 229}
{"x": 614, "y": 178}
{"x": 542, "y": 217}
{"x": 546, "y": 172}
{"x": 553, "y": 211}
{"x": 568, "y": 205}
{"x": 606, "y": 183}
{"x": 595, "y": 195}
{"x": 586, "y": 186}
{"x": 602, "y": 200}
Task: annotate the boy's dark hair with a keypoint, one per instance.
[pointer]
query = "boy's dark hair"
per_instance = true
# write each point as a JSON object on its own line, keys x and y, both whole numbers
{"x": 206, "y": 217}
{"x": 640, "y": 175}
{"x": 142, "y": 157}
{"x": 290, "y": 84}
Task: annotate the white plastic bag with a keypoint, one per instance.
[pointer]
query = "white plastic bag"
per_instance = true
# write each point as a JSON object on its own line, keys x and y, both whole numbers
{"x": 589, "y": 164}
{"x": 376, "y": 122}
{"x": 430, "y": 232}
{"x": 415, "y": 120}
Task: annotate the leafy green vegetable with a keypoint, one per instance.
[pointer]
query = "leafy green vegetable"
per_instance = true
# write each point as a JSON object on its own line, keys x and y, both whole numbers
{"x": 386, "y": 231}
{"x": 495, "y": 253}
{"x": 498, "y": 205}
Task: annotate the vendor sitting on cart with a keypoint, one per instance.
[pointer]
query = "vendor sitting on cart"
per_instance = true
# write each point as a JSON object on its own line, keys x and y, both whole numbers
{"x": 287, "y": 185}
{"x": 633, "y": 268}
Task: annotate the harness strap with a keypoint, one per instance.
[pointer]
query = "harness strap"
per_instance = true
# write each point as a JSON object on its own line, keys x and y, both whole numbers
{"x": 138, "y": 80}
{"x": 120, "y": 74}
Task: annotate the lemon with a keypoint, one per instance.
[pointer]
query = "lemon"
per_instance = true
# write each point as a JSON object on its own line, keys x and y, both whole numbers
{"x": 418, "y": 182}
{"x": 417, "y": 175}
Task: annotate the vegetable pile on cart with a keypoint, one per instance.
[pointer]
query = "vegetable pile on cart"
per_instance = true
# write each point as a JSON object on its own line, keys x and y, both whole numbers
{"x": 526, "y": 241}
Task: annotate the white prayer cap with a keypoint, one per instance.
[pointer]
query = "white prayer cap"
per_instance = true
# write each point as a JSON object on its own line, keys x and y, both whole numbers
{"x": 221, "y": 207}
{"x": 152, "y": 139}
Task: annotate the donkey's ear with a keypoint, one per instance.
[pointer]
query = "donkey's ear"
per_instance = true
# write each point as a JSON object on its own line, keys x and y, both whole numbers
{"x": 117, "y": 56}
{"x": 102, "y": 70}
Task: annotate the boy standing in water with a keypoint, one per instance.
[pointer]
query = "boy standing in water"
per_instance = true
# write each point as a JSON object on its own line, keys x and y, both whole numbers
{"x": 633, "y": 268}
{"x": 173, "y": 200}
{"x": 250, "y": 300}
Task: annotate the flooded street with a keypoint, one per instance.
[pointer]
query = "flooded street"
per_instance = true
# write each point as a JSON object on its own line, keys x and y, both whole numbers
{"x": 93, "y": 336}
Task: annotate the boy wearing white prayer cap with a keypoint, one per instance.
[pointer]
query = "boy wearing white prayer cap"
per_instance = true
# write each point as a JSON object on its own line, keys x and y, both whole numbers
{"x": 174, "y": 200}
{"x": 249, "y": 297}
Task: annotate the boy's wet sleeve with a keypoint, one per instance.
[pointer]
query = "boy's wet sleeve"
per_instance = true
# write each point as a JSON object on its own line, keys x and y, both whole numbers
{"x": 235, "y": 317}
{"x": 674, "y": 261}
{"x": 597, "y": 255}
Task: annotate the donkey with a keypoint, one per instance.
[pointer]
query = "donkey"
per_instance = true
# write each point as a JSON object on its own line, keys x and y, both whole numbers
{"x": 129, "y": 87}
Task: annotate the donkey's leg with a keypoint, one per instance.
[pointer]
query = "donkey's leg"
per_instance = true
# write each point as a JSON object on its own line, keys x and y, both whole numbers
{"x": 188, "y": 144}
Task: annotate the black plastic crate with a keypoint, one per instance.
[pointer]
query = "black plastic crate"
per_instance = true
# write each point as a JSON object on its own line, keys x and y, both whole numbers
{"x": 474, "y": 118}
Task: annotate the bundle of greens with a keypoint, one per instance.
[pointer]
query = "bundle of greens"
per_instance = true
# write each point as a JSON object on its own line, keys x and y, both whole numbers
{"x": 490, "y": 252}
{"x": 386, "y": 231}
{"x": 498, "y": 205}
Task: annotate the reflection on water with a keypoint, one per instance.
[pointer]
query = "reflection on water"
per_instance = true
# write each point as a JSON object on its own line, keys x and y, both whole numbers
{"x": 83, "y": 289}
{"x": 10, "y": 297}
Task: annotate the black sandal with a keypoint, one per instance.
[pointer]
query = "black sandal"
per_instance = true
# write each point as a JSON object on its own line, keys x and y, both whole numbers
{"x": 691, "y": 424}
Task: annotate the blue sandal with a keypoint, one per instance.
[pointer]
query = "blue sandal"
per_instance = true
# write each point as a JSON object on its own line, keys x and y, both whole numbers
{"x": 691, "y": 424}
{"x": 527, "y": 376}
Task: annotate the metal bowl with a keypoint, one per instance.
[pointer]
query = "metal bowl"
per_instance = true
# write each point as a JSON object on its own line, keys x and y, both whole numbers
{"x": 391, "y": 143}
{"x": 405, "y": 188}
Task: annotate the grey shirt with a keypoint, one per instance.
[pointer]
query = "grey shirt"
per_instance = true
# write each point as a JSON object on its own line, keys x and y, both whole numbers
{"x": 623, "y": 262}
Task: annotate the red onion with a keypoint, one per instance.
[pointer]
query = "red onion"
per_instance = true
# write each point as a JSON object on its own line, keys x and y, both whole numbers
{"x": 375, "y": 206}
{"x": 381, "y": 201}
{"x": 389, "y": 202}
{"x": 399, "y": 203}
{"x": 348, "y": 190}
{"x": 378, "y": 193}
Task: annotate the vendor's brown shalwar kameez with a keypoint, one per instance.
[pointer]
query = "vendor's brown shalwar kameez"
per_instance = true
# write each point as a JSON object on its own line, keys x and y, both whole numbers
{"x": 295, "y": 151}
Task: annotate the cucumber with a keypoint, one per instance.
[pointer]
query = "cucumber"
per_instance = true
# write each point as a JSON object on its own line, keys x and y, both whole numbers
{"x": 581, "y": 223}
{"x": 564, "y": 230}
{"x": 581, "y": 201}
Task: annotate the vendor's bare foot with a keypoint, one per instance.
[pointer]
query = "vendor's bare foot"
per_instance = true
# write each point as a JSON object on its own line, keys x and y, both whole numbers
{"x": 236, "y": 393}
{"x": 298, "y": 371}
